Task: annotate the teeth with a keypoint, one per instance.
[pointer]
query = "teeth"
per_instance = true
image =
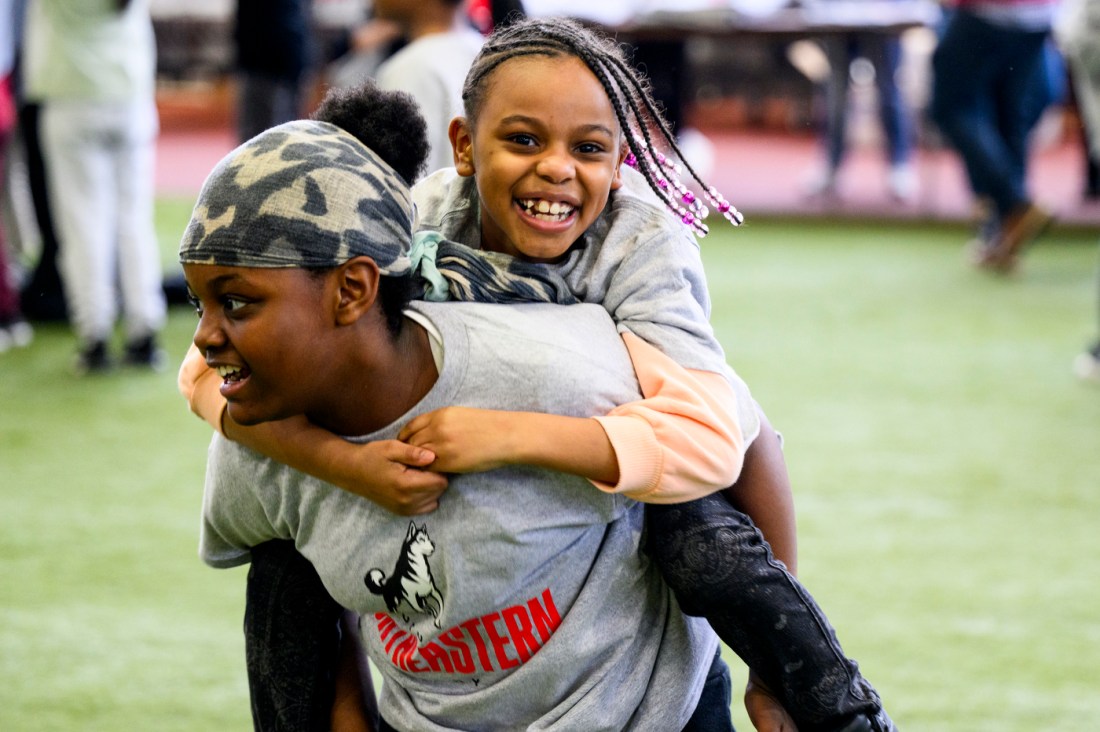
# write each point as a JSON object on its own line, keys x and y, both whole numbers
{"x": 543, "y": 208}
{"x": 227, "y": 372}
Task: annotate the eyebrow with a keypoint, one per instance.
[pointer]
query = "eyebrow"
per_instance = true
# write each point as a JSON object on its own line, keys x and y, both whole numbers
{"x": 216, "y": 284}
{"x": 519, "y": 118}
{"x": 223, "y": 279}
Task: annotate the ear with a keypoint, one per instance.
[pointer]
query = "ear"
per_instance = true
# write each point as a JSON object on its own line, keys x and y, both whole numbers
{"x": 462, "y": 145}
{"x": 617, "y": 180}
{"x": 356, "y": 289}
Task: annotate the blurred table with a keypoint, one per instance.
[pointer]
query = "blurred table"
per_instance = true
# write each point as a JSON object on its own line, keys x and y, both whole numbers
{"x": 724, "y": 18}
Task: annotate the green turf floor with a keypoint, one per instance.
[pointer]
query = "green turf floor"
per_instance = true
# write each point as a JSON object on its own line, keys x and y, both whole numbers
{"x": 946, "y": 469}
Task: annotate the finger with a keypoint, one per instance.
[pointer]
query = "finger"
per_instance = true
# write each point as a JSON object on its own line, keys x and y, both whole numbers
{"x": 416, "y": 480}
{"x": 421, "y": 501}
{"x": 413, "y": 456}
{"x": 418, "y": 457}
{"x": 414, "y": 509}
{"x": 424, "y": 508}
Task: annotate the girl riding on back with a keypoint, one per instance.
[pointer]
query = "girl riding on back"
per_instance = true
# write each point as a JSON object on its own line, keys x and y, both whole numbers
{"x": 552, "y": 111}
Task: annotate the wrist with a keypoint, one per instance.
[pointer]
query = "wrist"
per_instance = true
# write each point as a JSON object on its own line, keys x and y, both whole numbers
{"x": 519, "y": 439}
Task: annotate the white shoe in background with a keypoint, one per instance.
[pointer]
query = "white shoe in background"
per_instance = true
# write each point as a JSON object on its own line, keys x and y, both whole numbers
{"x": 16, "y": 334}
{"x": 1086, "y": 366}
{"x": 902, "y": 182}
{"x": 821, "y": 184}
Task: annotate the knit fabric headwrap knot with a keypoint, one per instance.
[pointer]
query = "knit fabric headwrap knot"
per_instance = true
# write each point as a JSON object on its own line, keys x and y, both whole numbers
{"x": 453, "y": 271}
{"x": 303, "y": 194}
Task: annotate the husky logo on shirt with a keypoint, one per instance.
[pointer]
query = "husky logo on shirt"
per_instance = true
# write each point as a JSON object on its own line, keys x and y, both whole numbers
{"x": 411, "y": 587}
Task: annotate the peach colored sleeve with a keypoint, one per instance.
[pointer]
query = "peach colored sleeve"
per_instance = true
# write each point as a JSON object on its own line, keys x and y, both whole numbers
{"x": 682, "y": 440}
{"x": 198, "y": 384}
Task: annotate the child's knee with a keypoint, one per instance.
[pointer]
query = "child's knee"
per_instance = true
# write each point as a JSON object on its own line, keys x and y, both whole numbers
{"x": 705, "y": 552}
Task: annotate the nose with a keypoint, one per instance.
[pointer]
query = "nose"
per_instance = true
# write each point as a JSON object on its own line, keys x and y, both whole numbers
{"x": 556, "y": 166}
{"x": 209, "y": 333}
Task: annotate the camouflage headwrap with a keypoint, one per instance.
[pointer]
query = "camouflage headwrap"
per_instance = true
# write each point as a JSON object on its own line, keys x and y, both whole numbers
{"x": 303, "y": 194}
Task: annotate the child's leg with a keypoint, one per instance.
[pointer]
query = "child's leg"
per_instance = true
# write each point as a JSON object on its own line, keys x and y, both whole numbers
{"x": 292, "y": 641}
{"x": 718, "y": 564}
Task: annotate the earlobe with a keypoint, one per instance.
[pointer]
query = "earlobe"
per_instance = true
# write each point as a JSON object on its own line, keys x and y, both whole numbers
{"x": 356, "y": 289}
{"x": 462, "y": 146}
{"x": 617, "y": 179}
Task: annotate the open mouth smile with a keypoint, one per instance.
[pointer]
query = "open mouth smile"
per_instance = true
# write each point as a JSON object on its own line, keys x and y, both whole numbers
{"x": 552, "y": 212}
{"x": 231, "y": 373}
{"x": 232, "y": 378}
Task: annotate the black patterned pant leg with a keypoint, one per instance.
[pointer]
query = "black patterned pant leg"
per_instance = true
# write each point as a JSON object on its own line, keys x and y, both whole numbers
{"x": 720, "y": 568}
{"x": 292, "y": 641}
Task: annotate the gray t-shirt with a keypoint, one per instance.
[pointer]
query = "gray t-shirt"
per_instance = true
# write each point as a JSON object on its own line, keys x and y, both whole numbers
{"x": 524, "y": 601}
{"x": 636, "y": 260}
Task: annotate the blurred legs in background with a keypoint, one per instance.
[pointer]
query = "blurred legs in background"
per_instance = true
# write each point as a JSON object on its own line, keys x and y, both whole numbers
{"x": 1078, "y": 35}
{"x": 987, "y": 114}
{"x": 882, "y": 53}
{"x": 99, "y": 163}
{"x": 14, "y": 330}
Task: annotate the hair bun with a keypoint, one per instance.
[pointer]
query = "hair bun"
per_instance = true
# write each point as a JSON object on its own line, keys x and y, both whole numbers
{"x": 387, "y": 122}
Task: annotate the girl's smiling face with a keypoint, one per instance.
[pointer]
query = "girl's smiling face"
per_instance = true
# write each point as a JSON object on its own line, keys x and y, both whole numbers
{"x": 545, "y": 150}
{"x": 263, "y": 331}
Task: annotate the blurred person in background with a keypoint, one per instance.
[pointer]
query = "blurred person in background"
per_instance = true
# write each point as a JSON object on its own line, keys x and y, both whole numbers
{"x": 14, "y": 330}
{"x": 432, "y": 65}
{"x": 91, "y": 66}
{"x": 991, "y": 83}
{"x": 275, "y": 52}
{"x": 43, "y": 296}
{"x": 424, "y": 48}
{"x": 1078, "y": 34}
{"x": 489, "y": 14}
{"x": 1087, "y": 364}
{"x": 882, "y": 53}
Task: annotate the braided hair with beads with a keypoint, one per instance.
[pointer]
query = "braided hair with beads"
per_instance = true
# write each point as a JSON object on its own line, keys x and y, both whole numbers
{"x": 644, "y": 127}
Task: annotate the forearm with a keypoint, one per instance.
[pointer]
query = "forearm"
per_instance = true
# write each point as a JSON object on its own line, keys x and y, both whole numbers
{"x": 574, "y": 445}
{"x": 302, "y": 445}
{"x": 763, "y": 492}
{"x": 198, "y": 384}
{"x": 387, "y": 473}
{"x": 294, "y": 442}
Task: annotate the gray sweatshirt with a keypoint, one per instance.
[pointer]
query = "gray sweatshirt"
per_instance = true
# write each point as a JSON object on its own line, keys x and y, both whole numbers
{"x": 524, "y": 601}
{"x": 636, "y": 260}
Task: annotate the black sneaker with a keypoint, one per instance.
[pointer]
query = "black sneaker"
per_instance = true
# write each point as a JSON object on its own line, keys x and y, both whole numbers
{"x": 93, "y": 359}
{"x": 145, "y": 353}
